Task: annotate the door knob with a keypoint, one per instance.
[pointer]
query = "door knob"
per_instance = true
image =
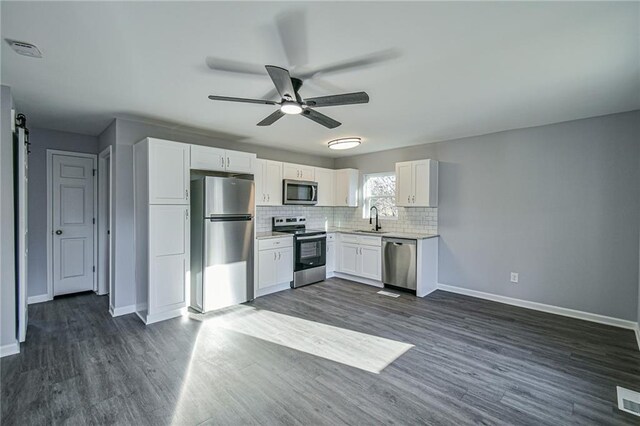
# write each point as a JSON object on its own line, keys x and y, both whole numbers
{"x": 59, "y": 232}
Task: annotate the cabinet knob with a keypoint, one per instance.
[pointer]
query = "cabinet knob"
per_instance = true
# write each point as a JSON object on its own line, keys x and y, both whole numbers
{"x": 59, "y": 232}
{"x": 227, "y": 161}
{"x": 413, "y": 198}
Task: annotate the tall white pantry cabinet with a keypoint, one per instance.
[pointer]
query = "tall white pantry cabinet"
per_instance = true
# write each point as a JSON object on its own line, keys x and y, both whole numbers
{"x": 161, "y": 221}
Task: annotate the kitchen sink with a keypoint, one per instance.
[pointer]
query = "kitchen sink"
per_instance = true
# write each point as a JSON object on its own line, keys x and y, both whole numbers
{"x": 369, "y": 231}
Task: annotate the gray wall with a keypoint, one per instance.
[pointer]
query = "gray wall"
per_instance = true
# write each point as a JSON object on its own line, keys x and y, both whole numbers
{"x": 122, "y": 135}
{"x": 559, "y": 204}
{"x": 7, "y": 231}
{"x": 41, "y": 140}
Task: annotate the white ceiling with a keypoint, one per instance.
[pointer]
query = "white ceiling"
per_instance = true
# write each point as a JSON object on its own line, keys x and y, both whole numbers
{"x": 465, "y": 68}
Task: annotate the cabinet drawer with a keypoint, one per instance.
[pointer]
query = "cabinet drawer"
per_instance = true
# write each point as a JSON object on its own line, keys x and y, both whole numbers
{"x": 349, "y": 238}
{"x": 272, "y": 243}
{"x": 366, "y": 240}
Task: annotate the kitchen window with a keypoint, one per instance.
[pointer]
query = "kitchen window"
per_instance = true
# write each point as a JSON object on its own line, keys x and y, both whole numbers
{"x": 380, "y": 191}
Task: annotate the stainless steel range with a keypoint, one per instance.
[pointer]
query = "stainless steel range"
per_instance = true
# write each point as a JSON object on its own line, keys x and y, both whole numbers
{"x": 309, "y": 249}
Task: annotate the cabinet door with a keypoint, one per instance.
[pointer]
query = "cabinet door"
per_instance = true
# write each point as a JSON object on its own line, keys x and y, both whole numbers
{"x": 207, "y": 158}
{"x": 307, "y": 173}
{"x": 325, "y": 179}
{"x": 267, "y": 268}
{"x": 425, "y": 181}
{"x": 285, "y": 265}
{"x": 346, "y": 193}
{"x": 258, "y": 178}
{"x": 272, "y": 183}
{"x": 370, "y": 262}
{"x": 349, "y": 258}
{"x": 168, "y": 172}
{"x": 331, "y": 257}
{"x": 240, "y": 162}
{"x": 404, "y": 183}
{"x": 291, "y": 171}
{"x": 169, "y": 259}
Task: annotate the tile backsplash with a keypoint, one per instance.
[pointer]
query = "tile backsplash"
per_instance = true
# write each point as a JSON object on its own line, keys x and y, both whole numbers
{"x": 415, "y": 219}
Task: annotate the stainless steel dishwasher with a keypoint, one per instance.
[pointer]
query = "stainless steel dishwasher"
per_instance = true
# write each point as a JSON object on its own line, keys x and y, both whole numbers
{"x": 399, "y": 262}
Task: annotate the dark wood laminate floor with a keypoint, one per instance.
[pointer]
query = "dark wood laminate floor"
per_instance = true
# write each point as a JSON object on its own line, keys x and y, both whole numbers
{"x": 473, "y": 361}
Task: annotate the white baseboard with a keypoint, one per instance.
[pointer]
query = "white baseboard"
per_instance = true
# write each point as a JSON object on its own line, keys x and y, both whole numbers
{"x": 10, "y": 349}
{"x": 123, "y": 310}
{"x": 273, "y": 289}
{"x": 38, "y": 299}
{"x": 164, "y": 316}
{"x": 572, "y": 313}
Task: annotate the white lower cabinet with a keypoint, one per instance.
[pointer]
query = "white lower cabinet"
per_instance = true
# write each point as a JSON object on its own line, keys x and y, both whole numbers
{"x": 275, "y": 264}
{"x": 371, "y": 262}
{"x": 360, "y": 256}
{"x": 330, "y": 265}
{"x": 163, "y": 265}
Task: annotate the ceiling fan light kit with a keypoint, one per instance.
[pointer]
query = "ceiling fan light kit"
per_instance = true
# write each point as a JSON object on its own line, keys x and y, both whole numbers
{"x": 292, "y": 103}
{"x": 290, "y": 107}
{"x": 344, "y": 143}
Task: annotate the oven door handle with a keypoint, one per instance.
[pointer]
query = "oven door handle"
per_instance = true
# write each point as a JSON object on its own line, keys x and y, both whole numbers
{"x": 312, "y": 237}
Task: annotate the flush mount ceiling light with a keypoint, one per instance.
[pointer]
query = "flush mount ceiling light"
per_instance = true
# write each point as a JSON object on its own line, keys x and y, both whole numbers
{"x": 24, "y": 49}
{"x": 289, "y": 107}
{"x": 344, "y": 143}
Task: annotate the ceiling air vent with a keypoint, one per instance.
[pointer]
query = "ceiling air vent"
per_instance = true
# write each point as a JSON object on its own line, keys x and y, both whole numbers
{"x": 628, "y": 400}
{"x": 24, "y": 49}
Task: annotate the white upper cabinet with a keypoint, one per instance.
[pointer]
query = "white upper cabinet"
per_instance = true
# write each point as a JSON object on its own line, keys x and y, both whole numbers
{"x": 268, "y": 179}
{"x": 168, "y": 165}
{"x": 207, "y": 158}
{"x": 326, "y": 186}
{"x": 297, "y": 172}
{"x": 417, "y": 183}
{"x": 240, "y": 162}
{"x": 346, "y": 188}
{"x": 221, "y": 160}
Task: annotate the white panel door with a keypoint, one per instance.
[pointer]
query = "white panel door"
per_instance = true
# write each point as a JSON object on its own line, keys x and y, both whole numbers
{"x": 168, "y": 172}
{"x": 349, "y": 258}
{"x": 168, "y": 257}
{"x": 267, "y": 268}
{"x": 285, "y": 265}
{"x": 272, "y": 183}
{"x": 326, "y": 184}
{"x": 72, "y": 226}
{"x": 370, "y": 262}
{"x": 207, "y": 158}
{"x": 404, "y": 183}
{"x": 240, "y": 162}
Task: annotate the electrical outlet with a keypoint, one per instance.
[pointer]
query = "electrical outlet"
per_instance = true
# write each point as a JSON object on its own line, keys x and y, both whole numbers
{"x": 514, "y": 277}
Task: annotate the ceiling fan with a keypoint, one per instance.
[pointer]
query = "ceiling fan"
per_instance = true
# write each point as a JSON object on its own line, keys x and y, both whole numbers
{"x": 292, "y": 103}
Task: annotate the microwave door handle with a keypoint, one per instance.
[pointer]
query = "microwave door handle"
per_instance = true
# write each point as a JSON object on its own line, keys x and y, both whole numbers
{"x": 314, "y": 190}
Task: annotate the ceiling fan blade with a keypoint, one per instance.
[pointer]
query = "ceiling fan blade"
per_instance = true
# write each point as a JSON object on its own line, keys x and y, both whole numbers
{"x": 238, "y": 67}
{"x": 320, "y": 118}
{"x": 355, "y": 63}
{"x": 245, "y": 100}
{"x": 292, "y": 29}
{"x": 272, "y": 118}
{"x": 334, "y": 100}
{"x": 282, "y": 81}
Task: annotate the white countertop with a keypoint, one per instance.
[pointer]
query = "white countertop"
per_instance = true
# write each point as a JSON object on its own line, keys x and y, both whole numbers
{"x": 392, "y": 234}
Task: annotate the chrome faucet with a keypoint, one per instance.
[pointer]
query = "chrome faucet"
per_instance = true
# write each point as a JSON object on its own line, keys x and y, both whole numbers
{"x": 378, "y": 227}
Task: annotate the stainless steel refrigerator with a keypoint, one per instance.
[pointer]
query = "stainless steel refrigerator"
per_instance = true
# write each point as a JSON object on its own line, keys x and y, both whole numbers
{"x": 221, "y": 241}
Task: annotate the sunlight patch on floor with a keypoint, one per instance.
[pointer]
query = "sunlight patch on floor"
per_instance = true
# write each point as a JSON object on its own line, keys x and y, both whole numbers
{"x": 360, "y": 350}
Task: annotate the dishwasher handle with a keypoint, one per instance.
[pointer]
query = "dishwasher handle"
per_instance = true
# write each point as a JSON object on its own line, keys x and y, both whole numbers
{"x": 398, "y": 241}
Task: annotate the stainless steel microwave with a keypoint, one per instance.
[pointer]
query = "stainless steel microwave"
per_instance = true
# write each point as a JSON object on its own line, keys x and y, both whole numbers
{"x": 299, "y": 192}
